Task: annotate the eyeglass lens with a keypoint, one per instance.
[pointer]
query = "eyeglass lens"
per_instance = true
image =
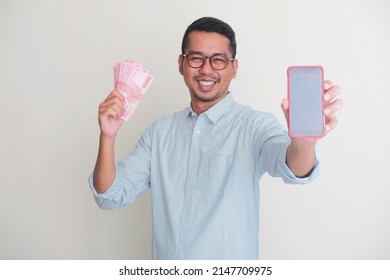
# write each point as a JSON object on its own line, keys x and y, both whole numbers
{"x": 217, "y": 61}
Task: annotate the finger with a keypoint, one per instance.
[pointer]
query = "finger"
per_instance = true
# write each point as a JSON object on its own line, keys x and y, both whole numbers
{"x": 113, "y": 99}
{"x": 117, "y": 95}
{"x": 331, "y": 123}
{"x": 104, "y": 110}
{"x": 109, "y": 96}
{"x": 328, "y": 84}
{"x": 103, "y": 107}
{"x": 120, "y": 96}
{"x": 285, "y": 105}
{"x": 332, "y": 93}
{"x": 113, "y": 110}
{"x": 333, "y": 107}
{"x": 117, "y": 107}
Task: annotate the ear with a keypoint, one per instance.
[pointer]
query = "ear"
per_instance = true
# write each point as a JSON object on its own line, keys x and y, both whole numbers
{"x": 235, "y": 68}
{"x": 180, "y": 61}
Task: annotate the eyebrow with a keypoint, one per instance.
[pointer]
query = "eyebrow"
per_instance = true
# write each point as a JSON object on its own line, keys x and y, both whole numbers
{"x": 196, "y": 52}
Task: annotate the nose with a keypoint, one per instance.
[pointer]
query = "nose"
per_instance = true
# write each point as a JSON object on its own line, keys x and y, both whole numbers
{"x": 206, "y": 68}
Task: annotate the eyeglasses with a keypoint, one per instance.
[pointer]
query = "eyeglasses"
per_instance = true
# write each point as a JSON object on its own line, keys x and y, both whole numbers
{"x": 217, "y": 61}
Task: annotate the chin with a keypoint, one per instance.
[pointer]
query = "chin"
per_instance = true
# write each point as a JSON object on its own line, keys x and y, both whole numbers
{"x": 206, "y": 97}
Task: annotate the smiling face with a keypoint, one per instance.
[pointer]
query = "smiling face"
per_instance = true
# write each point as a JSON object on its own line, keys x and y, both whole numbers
{"x": 207, "y": 86}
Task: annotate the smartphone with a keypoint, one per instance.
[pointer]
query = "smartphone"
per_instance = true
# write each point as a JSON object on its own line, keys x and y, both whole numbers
{"x": 305, "y": 94}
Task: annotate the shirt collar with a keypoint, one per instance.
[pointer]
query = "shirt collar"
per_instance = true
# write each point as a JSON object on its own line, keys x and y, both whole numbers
{"x": 216, "y": 111}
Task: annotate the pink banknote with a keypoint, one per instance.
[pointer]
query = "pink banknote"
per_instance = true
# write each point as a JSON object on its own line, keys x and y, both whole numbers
{"x": 132, "y": 80}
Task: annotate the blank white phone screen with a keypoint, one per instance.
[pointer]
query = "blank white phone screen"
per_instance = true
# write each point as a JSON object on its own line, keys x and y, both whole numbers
{"x": 306, "y": 104}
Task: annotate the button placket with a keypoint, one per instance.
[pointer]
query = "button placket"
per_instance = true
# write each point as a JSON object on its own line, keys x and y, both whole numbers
{"x": 191, "y": 179}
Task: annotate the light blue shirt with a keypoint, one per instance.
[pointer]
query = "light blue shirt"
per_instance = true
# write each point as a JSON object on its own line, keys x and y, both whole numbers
{"x": 204, "y": 174}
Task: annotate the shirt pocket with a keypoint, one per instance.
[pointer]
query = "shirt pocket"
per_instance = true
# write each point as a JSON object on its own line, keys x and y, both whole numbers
{"x": 217, "y": 174}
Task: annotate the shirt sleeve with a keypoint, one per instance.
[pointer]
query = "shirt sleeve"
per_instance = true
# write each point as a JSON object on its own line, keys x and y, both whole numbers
{"x": 272, "y": 144}
{"x": 131, "y": 179}
{"x": 282, "y": 170}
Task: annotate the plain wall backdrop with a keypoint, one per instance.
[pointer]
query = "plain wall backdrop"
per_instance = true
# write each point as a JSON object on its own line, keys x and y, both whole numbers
{"x": 56, "y": 60}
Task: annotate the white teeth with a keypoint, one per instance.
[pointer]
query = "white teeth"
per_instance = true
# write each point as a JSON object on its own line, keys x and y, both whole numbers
{"x": 206, "y": 83}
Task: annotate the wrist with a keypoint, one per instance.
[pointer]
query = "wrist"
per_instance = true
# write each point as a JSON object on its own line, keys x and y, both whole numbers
{"x": 301, "y": 157}
{"x": 303, "y": 143}
{"x": 107, "y": 140}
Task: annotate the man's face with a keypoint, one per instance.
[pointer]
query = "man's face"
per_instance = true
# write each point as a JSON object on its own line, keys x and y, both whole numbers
{"x": 207, "y": 86}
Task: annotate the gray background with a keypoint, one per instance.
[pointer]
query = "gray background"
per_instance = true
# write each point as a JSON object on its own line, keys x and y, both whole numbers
{"x": 56, "y": 60}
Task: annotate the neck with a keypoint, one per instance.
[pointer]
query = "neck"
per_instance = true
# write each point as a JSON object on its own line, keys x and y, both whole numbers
{"x": 200, "y": 106}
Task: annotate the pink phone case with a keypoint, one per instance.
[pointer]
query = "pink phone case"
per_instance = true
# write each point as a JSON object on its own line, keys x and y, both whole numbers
{"x": 289, "y": 98}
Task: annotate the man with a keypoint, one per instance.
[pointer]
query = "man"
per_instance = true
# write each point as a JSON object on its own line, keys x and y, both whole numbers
{"x": 204, "y": 164}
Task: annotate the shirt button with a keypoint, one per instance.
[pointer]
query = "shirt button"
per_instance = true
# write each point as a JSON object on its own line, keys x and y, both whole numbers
{"x": 198, "y": 132}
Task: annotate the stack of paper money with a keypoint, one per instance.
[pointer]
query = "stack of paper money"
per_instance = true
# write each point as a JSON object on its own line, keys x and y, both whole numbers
{"x": 132, "y": 80}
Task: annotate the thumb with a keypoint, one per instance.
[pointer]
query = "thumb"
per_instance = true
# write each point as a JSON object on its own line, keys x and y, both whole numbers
{"x": 285, "y": 105}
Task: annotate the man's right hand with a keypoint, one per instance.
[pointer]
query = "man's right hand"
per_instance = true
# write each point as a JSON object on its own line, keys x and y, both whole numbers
{"x": 110, "y": 112}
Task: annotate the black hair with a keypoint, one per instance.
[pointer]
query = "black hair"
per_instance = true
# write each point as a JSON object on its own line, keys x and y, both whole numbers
{"x": 210, "y": 24}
